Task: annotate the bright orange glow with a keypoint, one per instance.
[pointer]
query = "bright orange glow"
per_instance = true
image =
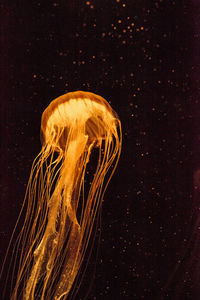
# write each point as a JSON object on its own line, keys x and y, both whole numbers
{"x": 60, "y": 216}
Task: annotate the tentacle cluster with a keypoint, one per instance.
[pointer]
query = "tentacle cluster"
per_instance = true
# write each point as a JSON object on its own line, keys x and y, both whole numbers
{"x": 54, "y": 239}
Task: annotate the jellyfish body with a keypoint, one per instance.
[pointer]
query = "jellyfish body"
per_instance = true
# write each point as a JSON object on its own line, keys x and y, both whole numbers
{"x": 54, "y": 238}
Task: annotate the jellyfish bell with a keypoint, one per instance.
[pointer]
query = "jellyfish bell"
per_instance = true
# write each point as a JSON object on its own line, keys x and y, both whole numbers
{"x": 55, "y": 237}
{"x": 79, "y": 114}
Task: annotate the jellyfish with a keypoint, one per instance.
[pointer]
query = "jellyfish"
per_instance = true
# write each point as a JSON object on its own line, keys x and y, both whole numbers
{"x": 60, "y": 215}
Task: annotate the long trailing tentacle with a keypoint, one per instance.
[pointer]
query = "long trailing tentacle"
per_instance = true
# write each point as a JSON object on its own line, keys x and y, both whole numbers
{"x": 54, "y": 239}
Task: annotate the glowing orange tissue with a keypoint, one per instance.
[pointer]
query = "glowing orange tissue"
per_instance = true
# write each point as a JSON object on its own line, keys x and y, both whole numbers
{"x": 59, "y": 213}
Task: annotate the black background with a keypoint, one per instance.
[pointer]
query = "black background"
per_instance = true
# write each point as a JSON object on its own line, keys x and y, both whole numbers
{"x": 143, "y": 57}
